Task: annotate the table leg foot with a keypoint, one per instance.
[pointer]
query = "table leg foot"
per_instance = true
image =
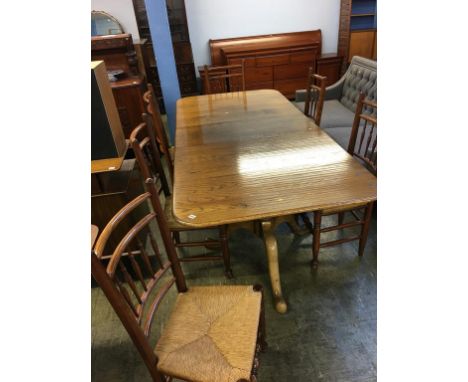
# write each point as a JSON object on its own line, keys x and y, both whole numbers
{"x": 280, "y": 304}
{"x": 273, "y": 265}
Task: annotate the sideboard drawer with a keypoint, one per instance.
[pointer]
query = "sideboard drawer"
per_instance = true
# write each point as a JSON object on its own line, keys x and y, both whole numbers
{"x": 280, "y": 59}
{"x": 259, "y": 85}
{"x": 248, "y": 62}
{"x": 289, "y": 87}
{"x": 259, "y": 74}
{"x": 285, "y": 72}
{"x": 304, "y": 57}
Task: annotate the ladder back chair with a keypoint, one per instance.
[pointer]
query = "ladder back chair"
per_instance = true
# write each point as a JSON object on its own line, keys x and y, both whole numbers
{"x": 153, "y": 154}
{"x": 224, "y": 79}
{"x": 153, "y": 118}
{"x": 363, "y": 146}
{"x": 315, "y": 96}
{"x": 139, "y": 143}
{"x": 213, "y": 333}
{"x": 363, "y": 139}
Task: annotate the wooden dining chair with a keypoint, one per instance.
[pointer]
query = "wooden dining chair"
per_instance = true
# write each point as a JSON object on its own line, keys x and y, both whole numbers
{"x": 153, "y": 118}
{"x": 223, "y": 79}
{"x": 363, "y": 140}
{"x": 140, "y": 141}
{"x": 214, "y": 333}
{"x": 315, "y": 96}
{"x": 362, "y": 146}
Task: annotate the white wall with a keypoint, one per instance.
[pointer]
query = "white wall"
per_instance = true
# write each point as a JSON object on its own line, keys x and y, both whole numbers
{"x": 236, "y": 18}
{"x": 123, "y": 11}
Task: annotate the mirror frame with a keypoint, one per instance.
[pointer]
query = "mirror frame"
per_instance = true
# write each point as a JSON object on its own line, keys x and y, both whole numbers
{"x": 112, "y": 18}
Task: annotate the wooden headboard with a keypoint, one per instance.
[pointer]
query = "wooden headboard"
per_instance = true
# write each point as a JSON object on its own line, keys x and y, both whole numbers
{"x": 264, "y": 42}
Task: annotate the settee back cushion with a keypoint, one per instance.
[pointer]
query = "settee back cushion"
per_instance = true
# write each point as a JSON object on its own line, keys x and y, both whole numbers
{"x": 359, "y": 78}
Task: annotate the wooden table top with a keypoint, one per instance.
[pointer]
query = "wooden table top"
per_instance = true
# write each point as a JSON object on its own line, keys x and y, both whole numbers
{"x": 109, "y": 164}
{"x": 253, "y": 155}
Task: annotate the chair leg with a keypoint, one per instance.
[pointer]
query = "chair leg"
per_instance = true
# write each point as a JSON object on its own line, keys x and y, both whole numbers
{"x": 365, "y": 228}
{"x": 176, "y": 236}
{"x": 262, "y": 326}
{"x": 316, "y": 238}
{"x": 225, "y": 251}
{"x": 340, "y": 218}
{"x": 307, "y": 222}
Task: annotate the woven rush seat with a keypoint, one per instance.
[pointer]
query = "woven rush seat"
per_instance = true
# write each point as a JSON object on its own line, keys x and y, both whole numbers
{"x": 211, "y": 334}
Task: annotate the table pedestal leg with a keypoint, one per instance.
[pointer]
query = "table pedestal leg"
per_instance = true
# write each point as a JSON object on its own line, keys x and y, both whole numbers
{"x": 273, "y": 266}
{"x": 250, "y": 226}
{"x": 295, "y": 228}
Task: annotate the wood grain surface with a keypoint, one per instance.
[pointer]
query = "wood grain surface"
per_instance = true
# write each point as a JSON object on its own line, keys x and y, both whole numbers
{"x": 109, "y": 164}
{"x": 252, "y": 155}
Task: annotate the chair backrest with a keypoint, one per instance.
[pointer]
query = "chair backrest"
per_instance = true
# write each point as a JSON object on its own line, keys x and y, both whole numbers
{"x": 363, "y": 139}
{"x": 152, "y": 109}
{"x": 315, "y": 95}
{"x": 223, "y": 79}
{"x": 132, "y": 280}
{"x": 361, "y": 77}
{"x": 142, "y": 138}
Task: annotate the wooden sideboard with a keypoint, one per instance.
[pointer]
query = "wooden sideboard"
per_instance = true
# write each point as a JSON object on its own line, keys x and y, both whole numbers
{"x": 118, "y": 53}
{"x": 279, "y": 61}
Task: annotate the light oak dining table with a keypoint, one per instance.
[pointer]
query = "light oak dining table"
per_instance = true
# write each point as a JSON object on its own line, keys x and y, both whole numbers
{"x": 254, "y": 157}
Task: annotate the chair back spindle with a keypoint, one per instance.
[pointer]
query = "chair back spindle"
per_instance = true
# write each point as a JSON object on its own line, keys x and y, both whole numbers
{"x": 154, "y": 120}
{"x": 363, "y": 139}
{"x": 315, "y": 96}
{"x": 224, "y": 79}
{"x": 142, "y": 139}
{"x": 136, "y": 282}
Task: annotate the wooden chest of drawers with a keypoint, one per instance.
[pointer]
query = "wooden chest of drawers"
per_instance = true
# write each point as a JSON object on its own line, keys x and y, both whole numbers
{"x": 279, "y": 61}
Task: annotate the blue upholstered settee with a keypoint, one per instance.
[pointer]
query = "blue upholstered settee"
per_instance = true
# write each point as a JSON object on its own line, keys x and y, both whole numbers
{"x": 341, "y": 98}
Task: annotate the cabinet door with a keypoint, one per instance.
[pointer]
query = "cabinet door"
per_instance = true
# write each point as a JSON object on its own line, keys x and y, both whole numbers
{"x": 330, "y": 68}
{"x": 374, "y": 53}
{"x": 129, "y": 101}
{"x": 362, "y": 44}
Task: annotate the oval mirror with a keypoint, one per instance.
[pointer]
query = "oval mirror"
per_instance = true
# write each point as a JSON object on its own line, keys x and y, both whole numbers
{"x": 103, "y": 24}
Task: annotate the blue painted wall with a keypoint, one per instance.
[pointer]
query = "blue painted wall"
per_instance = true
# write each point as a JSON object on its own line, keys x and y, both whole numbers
{"x": 164, "y": 54}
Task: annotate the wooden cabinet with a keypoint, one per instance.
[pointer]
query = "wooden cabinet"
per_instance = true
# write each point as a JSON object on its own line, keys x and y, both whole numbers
{"x": 119, "y": 55}
{"x": 128, "y": 95}
{"x": 358, "y": 29}
{"x": 279, "y": 61}
{"x": 362, "y": 43}
{"x": 329, "y": 65}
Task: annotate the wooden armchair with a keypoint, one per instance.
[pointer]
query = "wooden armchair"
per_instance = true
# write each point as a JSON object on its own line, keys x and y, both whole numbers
{"x": 363, "y": 146}
{"x": 141, "y": 142}
{"x": 223, "y": 79}
{"x": 315, "y": 95}
{"x": 153, "y": 119}
{"x": 214, "y": 333}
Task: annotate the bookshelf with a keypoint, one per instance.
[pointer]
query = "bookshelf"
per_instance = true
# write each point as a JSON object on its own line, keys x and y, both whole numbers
{"x": 358, "y": 29}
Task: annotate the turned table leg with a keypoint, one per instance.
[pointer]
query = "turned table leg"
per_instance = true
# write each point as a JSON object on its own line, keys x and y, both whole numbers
{"x": 273, "y": 266}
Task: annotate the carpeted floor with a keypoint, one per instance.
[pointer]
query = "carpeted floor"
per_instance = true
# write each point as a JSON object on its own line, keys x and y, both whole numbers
{"x": 328, "y": 334}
